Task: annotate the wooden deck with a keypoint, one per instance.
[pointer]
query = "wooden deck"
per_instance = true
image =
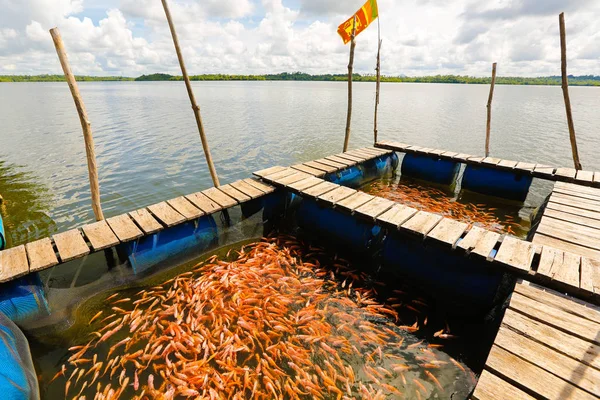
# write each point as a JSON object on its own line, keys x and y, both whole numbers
{"x": 520, "y": 257}
{"x": 584, "y": 178}
{"x": 548, "y": 346}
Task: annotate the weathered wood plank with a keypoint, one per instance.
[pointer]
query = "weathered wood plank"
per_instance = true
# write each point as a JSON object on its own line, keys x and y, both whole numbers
{"x": 575, "y": 188}
{"x": 566, "y": 172}
{"x": 322, "y": 167}
{"x": 570, "y": 370}
{"x": 356, "y": 200}
{"x": 319, "y": 189}
{"x": 124, "y": 227}
{"x": 449, "y": 154}
{"x": 306, "y": 183}
{"x": 534, "y": 378}
{"x": 234, "y": 193}
{"x": 339, "y": 160}
{"x": 581, "y": 203}
{"x": 185, "y": 208}
{"x": 204, "y": 203}
{"x": 516, "y": 253}
{"x": 219, "y": 197}
{"x": 397, "y": 215}
{"x": 573, "y": 210}
{"x": 585, "y": 176}
{"x": 462, "y": 156}
{"x": 298, "y": 176}
{"x": 280, "y": 174}
{"x": 576, "y": 219}
{"x": 70, "y": 245}
{"x": 576, "y": 195}
{"x": 486, "y": 244}
{"x": 491, "y": 387}
{"x": 570, "y": 232}
{"x": 541, "y": 239}
{"x": 350, "y": 157}
{"x": 508, "y": 164}
{"x": 268, "y": 171}
{"x": 560, "y": 266}
{"x": 41, "y": 255}
{"x": 581, "y": 350}
{"x": 146, "y": 221}
{"x": 247, "y": 189}
{"x": 375, "y": 207}
{"x": 100, "y": 235}
{"x": 308, "y": 170}
{"x": 422, "y": 222}
{"x": 596, "y": 176}
{"x": 491, "y": 161}
{"x": 448, "y": 231}
{"x": 13, "y": 263}
{"x": 590, "y": 275}
{"x": 263, "y": 187}
{"x": 475, "y": 159}
{"x": 333, "y": 164}
{"x": 337, "y": 194}
{"x": 544, "y": 170}
{"x": 523, "y": 166}
{"x": 166, "y": 214}
{"x": 359, "y": 153}
{"x": 473, "y": 237}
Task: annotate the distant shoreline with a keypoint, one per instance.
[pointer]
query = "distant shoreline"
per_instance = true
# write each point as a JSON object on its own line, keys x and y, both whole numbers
{"x": 587, "y": 80}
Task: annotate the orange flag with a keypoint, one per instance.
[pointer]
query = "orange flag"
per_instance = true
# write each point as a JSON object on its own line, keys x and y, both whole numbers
{"x": 367, "y": 14}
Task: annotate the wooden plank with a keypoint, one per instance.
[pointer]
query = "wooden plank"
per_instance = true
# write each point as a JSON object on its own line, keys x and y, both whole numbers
{"x": 356, "y": 200}
{"x": 575, "y": 202}
{"x": 124, "y": 228}
{"x": 516, "y": 253}
{"x": 491, "y": 387}
{"x": 475, "y": 159}
{"x": 590, "y": 275}
{"x": 437, "y": 152}
{"x": 575, "y": 188}
{"x": 541, "y": 239}
{"x": 298, "y": 176}
{"x": 566, "y": 172}
{"x": 13, "y": 263}
{"x": 337, "y": 194}
{"x": 319, "y": 189}
{"x": 397, "y": 215}
{"x": 333, "y": 164}
{"x": 185, "y": 208}
{"x": 462, "y": 156}
{"x": 247, "y": 189}
{"x": 322, "y": 167}
{"x": 558, "y": 300}
{"x": 422, "y": 222}
{"x": 376, "y": 151}
{"x": 560, "y": 266}
{"x": 166, "y": 214}
{"x": 486, "y": 244}
{"x": 100, "y": 235}
{"x": 41, "y": 255}
{"x": 339, "y": 160}
{"x": 308, "y": 170}
{"x": 395, "y": 145}
{"x": 219, "y": 197}
{"x": 375, "y": 207}
{"x": 350, "y": 157}
{"x": 469, "y": 242}
{"x": 534, "y": 378}
{"x": 449, "y": 154}
{"x": 576, "y": 195}
{"x": 280, "y": 174}
{"x": 234, "y": 193}
{"x": 70, "y": 245}
{"x": 596, "y": 176}
{"x": 581, "y": 350}
{"x": 364, "y": 155}
{"x": 573, "y": 211}
{"x": 576, "y": 219}
{"x": 263, "y": 187}
{"x": 559, "y": 319}
{"x": 544, "y": 170}
{"x": 508, "y": 164}
{"x": 491, "y": 161}
{"x": 576, "y": 234}
{"x": 525, "y": 166}
{"x": 204, "y": 203}
{"x": 306, "y": 183}
{"x": 448, "y": 231}
{"x": 568, "y": 369}
{"x": 146, "y": 221}
{"x": 268, "y": 171}
{"x": 585, "y": 176}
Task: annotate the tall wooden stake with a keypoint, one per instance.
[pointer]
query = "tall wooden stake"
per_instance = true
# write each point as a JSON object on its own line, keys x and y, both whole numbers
{"x": 85, "y": 123}
{"x": 565, "y": 88}
{"x": 195, "y": 107}
{"x": 377, "y": 86}
{"x": 350, "y": 67}
{"x": 488, "y": 127}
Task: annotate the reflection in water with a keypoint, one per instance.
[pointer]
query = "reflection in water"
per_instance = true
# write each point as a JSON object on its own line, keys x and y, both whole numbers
{"x": 25, "y": 206}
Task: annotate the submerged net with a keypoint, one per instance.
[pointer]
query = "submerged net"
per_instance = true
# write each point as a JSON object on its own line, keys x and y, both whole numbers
{"x": 273, "y": 323}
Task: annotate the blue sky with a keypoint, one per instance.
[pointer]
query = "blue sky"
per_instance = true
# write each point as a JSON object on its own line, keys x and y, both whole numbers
{"x": 421, "y": 37}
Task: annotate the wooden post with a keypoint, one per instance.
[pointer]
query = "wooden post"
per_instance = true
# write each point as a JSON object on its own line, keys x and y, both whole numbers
{"x": 488, "y": 127}
{"x": 85, "y": 123}
{"x": 565, "y": 88}
{"x": 195, "y": 107}
{"x": 377, "y": 86}
{"x": 350, "y": 67}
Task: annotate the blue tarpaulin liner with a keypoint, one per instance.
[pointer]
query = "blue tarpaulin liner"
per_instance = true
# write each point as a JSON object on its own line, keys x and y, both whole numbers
{"x": 2, "y": 239}
{"x": 23, "y": 298}
{"x": 360, "y": 174}
{"x": 504, "y": 184}
{"x": 430, "y": 169}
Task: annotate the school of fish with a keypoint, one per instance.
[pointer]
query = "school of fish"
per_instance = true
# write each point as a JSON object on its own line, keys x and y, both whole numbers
{"x": 278, "y": 319}
{"x": 434, "y": 200}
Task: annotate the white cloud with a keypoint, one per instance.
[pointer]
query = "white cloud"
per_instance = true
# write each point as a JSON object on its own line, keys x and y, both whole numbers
{"x": 264, "y": 36}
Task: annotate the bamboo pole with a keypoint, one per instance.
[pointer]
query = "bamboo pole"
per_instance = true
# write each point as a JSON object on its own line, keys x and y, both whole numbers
{"x": 85, "y": 123}
{"x": 488, "y": 127}
{"x": 565, "y": 89}
{"x": 195, "y": 107}
{"x": 350, "y": 67}
{"x": 377, "y": 86}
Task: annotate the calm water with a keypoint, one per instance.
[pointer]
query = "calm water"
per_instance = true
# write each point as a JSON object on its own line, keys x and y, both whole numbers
{"x": 148, "y": 148}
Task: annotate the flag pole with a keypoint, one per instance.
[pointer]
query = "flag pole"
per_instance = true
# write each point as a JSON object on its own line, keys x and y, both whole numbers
{"x": 350, "y": 67}
{"x": 378, "y": 84}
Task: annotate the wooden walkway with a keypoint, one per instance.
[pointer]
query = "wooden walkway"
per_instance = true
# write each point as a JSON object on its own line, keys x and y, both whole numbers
{"x": 585, "y": 178}
{"x": 548, "y": 346}
{"x": 79, "y": 242}
{"x": 520, "y": 257}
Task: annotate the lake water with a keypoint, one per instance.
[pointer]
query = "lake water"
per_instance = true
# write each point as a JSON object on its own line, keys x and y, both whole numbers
{"x": 148, "y": 149}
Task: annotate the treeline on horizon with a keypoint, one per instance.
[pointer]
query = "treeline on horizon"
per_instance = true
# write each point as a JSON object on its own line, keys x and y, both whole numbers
{"x": 585, "y": 80}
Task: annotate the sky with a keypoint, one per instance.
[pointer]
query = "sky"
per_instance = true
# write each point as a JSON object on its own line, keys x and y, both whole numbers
{"x": 420, "y": 37}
